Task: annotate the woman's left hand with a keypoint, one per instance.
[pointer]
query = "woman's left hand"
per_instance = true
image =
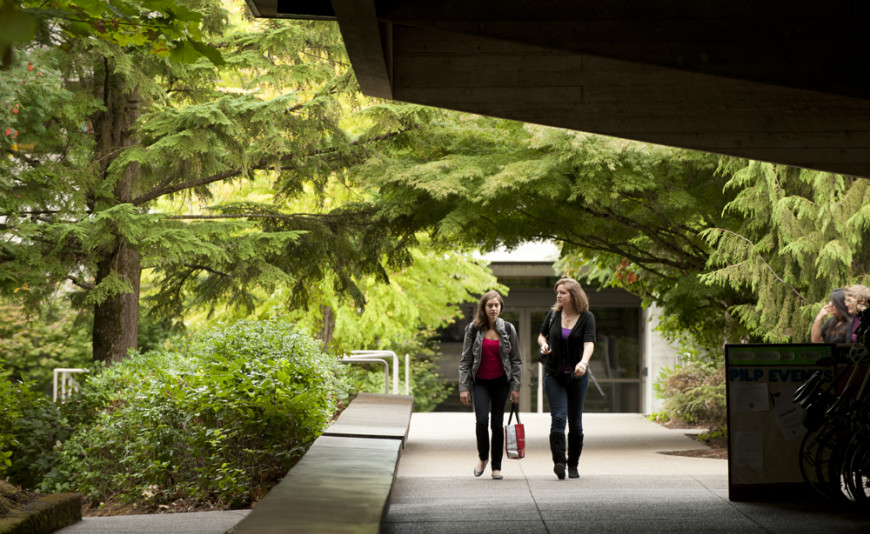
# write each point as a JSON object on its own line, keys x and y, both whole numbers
{"x": 515, "y": 396}
{"x": 580, "y": 369}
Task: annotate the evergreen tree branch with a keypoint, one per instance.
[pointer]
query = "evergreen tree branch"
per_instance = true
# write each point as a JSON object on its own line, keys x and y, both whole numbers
{"x": 34, "y": 163}
{"x": 589, "y": 242}
{"x": 164, "y": 189}
{"x": 354, "y": 219}
{"x": 31, "y": 213}
{"x": 169, "y": 189}
{"x": 602, "y": 245}
{"x": 766, "y": 264}
{"x": 660, "y": 240}
{"x": 80, "y": 283}
{"x": 197, "y": 267}
{"x": 669, "y": 225}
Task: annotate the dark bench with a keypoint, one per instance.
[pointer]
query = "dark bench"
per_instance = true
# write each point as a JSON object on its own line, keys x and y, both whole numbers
{"x": 343, "y": 482}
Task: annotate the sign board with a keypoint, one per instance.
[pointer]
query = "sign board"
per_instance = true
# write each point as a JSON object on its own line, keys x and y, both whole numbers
{"x": 765, "y": 427}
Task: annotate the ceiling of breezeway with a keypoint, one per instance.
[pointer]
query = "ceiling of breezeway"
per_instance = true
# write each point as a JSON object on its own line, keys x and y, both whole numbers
{"x": 776, "y": 81}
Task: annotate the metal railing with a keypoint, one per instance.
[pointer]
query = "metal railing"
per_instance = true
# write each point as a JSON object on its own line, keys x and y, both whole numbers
{"x": 67, "y": 383}
{"x": 372, "y": 356}
{"x": 365, "y": 359}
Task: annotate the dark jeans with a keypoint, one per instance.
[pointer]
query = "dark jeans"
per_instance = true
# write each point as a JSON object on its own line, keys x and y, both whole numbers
{"x": 566, "y": 398}
{"x": 488, "y": 393}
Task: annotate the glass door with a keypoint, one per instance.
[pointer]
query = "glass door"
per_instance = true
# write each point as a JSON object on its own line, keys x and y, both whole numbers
{"x": 615, "y": 362}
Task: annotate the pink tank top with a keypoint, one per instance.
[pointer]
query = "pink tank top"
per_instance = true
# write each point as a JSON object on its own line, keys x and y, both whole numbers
{"x": 490, "y": 363}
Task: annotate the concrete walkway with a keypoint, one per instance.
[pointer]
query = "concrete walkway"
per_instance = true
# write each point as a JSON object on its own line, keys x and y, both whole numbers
{"x": 626, "y": 485}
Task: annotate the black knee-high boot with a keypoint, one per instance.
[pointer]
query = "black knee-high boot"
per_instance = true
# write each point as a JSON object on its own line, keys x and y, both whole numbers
{"x": 575, "y": 447}
{"x": 557, "y": 447}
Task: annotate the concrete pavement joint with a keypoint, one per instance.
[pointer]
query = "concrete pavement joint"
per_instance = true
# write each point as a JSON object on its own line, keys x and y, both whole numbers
{"x": 732, "y": 506}
{"x": 534, "y": 500}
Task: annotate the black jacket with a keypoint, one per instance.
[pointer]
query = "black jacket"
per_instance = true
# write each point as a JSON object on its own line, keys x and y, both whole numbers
{"x": 568, "y": 351}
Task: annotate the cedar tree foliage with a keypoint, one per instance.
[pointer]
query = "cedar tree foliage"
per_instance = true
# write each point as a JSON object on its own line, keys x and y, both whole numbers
{"x": 111, "y": 151}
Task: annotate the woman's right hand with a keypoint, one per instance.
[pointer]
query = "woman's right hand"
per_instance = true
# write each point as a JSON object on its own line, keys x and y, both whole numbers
{"x": 545, "y": 348}
{"x": 465, "y": 397}
{"x": 826, "y": 310}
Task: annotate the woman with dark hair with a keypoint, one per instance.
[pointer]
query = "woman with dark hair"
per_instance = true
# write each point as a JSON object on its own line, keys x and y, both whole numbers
{"x": 489, "y": 369}
{"x": 837, "y": 329}
{"x": 567, "y": 340}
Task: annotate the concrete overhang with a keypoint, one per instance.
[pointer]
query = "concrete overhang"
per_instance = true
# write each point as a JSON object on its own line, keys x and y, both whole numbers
{"x": 779, "y": 81}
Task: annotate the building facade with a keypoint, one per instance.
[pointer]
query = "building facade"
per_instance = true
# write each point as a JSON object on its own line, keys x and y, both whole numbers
{"x": 629, "y": 352}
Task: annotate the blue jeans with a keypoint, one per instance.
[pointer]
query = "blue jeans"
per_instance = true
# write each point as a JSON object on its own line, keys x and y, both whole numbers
{"x": 566, "y": 400}
{"x": 485, "y": 393}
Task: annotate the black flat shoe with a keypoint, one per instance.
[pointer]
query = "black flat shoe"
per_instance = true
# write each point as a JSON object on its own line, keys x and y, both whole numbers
{"x": 572, "y": 472}
{"x": 559, "y": 469}
{"x": 478, "y": 473}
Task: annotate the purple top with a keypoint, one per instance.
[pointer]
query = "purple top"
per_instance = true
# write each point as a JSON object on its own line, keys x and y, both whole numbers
{"x": 565, "y": 367}
{"x": 855, "y": 324}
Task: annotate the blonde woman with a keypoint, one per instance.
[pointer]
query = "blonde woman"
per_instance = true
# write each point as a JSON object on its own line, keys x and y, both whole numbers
{"x": 567, "y": 340}
{"x": 857, "y": 300}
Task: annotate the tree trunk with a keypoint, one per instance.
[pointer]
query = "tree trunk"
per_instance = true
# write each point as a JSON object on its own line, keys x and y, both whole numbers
{"x": 116, "y": 319}
{"x": 328, "y": 327}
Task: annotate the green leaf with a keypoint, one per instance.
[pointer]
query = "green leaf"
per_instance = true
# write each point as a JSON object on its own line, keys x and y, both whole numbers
{"x": 15, "y": 26}
{"x": 210, "y": 52}
{"x": 184, "y": 52}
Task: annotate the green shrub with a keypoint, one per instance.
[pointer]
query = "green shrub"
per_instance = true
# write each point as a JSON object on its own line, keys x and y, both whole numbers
{"x": 214, "y": 421}
{"x": 30, "y": 425}
{"x": 41, "y": 426}
{"x": 9, "y": 417}
{"x": 694, "y": 393}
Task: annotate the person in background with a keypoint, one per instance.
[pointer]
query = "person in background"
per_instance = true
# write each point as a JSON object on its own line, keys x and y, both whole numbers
{"x": 567, "y": 340}
{"x": 490, "y": 368}
{"x": 857, "y": 300}
{"x": 838, "y": 328}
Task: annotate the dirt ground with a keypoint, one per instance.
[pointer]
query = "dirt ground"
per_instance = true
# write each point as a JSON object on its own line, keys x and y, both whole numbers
{"x": 716, "y": 447}
{"x": 12, "y": 497}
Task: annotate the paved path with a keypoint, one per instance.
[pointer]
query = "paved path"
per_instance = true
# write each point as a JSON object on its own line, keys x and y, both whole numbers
{"x": 626, "y": 485}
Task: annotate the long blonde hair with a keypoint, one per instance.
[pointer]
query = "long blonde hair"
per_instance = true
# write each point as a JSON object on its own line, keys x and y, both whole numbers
{"x": 578, "y": 296}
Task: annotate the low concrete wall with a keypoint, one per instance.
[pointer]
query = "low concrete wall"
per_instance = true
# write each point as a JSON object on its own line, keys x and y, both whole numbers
{"x": 343, "y": 482}
{"x": 44, "y": 515}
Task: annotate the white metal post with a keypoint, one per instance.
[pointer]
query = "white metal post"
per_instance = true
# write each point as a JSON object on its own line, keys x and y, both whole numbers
{"x": 64, "y": 379}
{"x": 355, "y": 359}
{"x": 383, "y": 353}
{"x": 407, "y": 374}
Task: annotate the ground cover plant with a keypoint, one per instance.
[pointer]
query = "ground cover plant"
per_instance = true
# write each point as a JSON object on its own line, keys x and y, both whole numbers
{"x": 209, "y": 423}
{"x": 694, "y": 394}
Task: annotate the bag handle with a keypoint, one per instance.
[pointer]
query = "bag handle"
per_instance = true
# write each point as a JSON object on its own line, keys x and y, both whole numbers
{"x": 592, "y": 378}
{"x": 515, "y": 409}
